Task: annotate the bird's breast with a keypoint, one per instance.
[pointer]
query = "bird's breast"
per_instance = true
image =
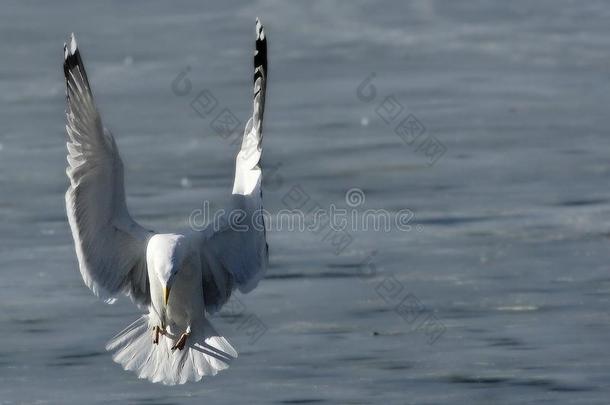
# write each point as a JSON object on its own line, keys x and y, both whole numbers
{"x": 186, "y": 298}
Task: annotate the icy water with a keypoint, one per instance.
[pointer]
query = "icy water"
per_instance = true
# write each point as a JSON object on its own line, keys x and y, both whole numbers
{"x": 498, "y": 294}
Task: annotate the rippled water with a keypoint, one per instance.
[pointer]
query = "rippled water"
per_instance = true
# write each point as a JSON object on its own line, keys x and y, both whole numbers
{"x": 504, "y": 273}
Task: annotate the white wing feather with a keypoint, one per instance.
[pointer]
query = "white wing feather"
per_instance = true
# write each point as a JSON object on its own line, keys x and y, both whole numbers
{"x": 232, "y": 256}
{"x": 110, "y": 246}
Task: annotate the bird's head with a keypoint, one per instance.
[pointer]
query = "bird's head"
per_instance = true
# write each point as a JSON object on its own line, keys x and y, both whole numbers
{"x": 169, "y": 253}
{"x": 167, "y": 277}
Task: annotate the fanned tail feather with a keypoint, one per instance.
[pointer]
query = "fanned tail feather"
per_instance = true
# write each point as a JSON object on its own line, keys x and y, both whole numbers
{"x": 205, "y": 353}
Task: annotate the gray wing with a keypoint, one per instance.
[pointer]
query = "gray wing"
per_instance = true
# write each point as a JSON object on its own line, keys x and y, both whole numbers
{"x": 110, "y": 246}
{"x": 236, "y": 255}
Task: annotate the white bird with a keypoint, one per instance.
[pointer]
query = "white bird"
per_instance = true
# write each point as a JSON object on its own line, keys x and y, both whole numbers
{"x": 179, "y": 278}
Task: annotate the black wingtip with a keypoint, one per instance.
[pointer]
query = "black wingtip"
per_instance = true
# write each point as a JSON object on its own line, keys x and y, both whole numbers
{"x": 71, "y": 53}
{"x": 260, "y": 53}
{"x": 73, "y": 62}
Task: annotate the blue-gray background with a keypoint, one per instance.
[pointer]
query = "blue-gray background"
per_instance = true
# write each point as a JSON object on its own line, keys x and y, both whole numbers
{"x": 510, "y": 254}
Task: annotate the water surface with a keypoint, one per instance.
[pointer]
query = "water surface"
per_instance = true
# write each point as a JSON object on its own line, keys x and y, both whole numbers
{"x": 510, "y": 255}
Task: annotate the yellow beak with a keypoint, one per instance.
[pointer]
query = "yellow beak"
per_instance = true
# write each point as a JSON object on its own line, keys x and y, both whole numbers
{"x": 166, "y": 295}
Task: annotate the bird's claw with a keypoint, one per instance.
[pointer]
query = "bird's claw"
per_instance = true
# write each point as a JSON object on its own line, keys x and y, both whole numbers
{"x": 181, "y": 342}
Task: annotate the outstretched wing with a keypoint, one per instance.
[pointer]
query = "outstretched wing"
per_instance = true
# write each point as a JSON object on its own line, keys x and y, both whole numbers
{"x": 110, "y": 246}
{"x": 236, "y": 254}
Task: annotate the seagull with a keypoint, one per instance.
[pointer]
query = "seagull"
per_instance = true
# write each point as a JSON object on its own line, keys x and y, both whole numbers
{"x": 178, "y": 279}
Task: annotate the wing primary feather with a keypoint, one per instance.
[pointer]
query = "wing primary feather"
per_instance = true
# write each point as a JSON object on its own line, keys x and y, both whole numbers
{"x": 110, "y": 245}
{"x": 242, "y": 255}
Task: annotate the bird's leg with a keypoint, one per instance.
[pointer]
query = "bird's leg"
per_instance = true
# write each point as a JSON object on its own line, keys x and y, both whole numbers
{"x": 182, "y": 341}
{"x": 157, "y": 330}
